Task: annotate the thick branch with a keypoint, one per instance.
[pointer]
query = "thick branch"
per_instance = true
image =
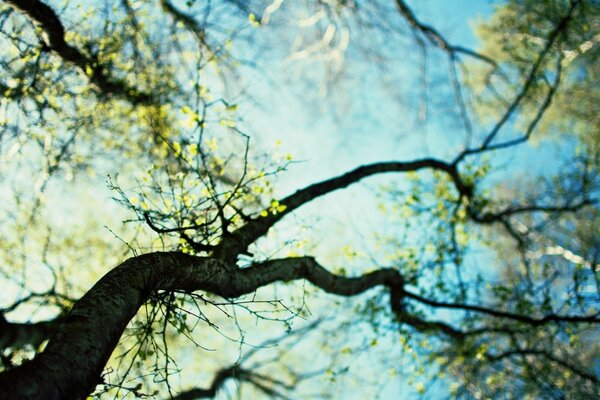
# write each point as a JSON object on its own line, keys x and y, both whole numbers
{"x": 41, "y": 14}
{"x": 71, "y": 365}
{"x": 73, "y": 360}
{"x": 18, "y": 335}
{"x": 238, "y": 242}
{"x": 287, "y": 269}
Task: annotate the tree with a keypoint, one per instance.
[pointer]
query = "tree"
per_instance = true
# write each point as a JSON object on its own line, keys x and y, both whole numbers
{"x": 481, "y": 273}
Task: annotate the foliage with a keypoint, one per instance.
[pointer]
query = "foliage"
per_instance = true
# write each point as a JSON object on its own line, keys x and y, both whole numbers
{"x": 472, "y": 272}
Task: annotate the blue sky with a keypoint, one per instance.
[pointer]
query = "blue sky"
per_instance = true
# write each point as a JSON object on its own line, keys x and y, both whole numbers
{"x": 374, "y": 130}
{"x": 331, "y": 144}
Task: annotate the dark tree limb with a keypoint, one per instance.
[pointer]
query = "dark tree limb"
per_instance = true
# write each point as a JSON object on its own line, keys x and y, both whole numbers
{"x": 43, "y": 15}
{"x": 592, "y": 319}
{"x": 71, "y": 365}
{"x": 20, "y": 334}
{"x": 541, "y": 353}
{"x": 238, "y": 242}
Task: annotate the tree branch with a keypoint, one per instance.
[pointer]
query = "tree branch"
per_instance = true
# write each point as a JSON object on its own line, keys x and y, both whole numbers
{"x": 41, "y": 14}
{"x": 98, "y": 319}
{"x": 237, "y": 243}
{"x": 525, "y": 88}
{"x": 73, "y": 360}
{"x": 591, "y": 319}
{"x": 436, "y": 38}
{"x": 18, "y": 334}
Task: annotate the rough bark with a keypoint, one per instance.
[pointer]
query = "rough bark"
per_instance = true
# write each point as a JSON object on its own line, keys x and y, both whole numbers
{"x": 17, "y": 335}
{"x": 72, "y": 363}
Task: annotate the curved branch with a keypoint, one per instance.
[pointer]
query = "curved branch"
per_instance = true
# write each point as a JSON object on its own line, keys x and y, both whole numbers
{"x": 436, "y": 38}
{"x": 308, "y": 268}
{"x": 591, "y": 319}
{"x": 71, "y": 365}
{"x": 43, "y": 15}
{"x": 97, "y": 321}
{"x": 238, "y": 242}
{"x": 287, "y": 269}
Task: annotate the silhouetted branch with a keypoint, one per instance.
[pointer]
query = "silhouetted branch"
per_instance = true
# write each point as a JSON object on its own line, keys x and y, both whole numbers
{"x": 239, "y": 240}
{"x": 591, "y": 319}
{"x": 43, "y": 15}
{"x": 487, "y": 145}
{"x": 20, "y": 334}
{"x": 434, "y": 37}
{"x": 96, "y": 322}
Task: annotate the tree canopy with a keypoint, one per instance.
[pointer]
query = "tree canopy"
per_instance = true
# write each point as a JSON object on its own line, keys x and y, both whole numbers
{"x": 304, "y": 199}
